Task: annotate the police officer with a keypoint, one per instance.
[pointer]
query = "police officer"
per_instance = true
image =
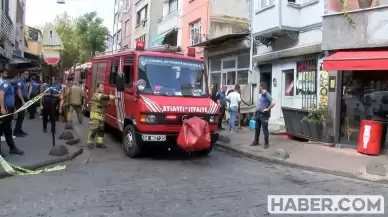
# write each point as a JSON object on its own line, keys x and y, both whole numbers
{"x": 265, "y": 103}
{"x": 21, "y": 99}
{"x": 7, "y": 104}
{"x": 97, "y": 117}
{"x": 34, "y": 91}
{"x": 50, "y": 104}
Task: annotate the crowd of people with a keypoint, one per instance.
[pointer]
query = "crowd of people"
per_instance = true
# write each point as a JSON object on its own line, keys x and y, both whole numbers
{"x": 15, "y": 91}
{"x": 231, "y": 102}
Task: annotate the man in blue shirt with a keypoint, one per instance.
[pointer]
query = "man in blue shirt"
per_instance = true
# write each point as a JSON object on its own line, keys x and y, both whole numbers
{"x": 34, "y": 91}
{"x": 7, "y": 104}
{"x": 50, "y": 103}
{"x": 21, "y": 98}
{"x": 264, "y": 105}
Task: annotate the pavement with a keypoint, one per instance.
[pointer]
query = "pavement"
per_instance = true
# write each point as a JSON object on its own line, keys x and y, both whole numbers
{"x": 313, "y": 156}
{"x": 105, "y": 183}
{"x": 36, "y": 147}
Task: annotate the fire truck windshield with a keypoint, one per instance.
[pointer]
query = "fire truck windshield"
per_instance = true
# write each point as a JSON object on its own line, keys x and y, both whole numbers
{"x": 171, "y": 76}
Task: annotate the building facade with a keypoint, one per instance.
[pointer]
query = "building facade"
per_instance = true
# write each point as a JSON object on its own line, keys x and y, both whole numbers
{"x": 7, "y": 33}
{"x": 117, "y": 24}
{"x": 18, "y": 17}
{"x": 169, "y": 25}
{"x": 128, "y": 23}
{"x": 147, "y": 14}
{"x": 356, "y": 48}
{"x": 286, "y": 52}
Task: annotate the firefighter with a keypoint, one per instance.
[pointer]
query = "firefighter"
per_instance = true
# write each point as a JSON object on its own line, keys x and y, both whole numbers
{"x": 97, "y": 117}
{"x": 74, "y": 100}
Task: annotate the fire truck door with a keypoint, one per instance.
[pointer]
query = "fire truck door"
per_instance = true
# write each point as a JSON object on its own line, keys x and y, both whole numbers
{"x": 112, "y": 112}
{"x": 130, "y": 89}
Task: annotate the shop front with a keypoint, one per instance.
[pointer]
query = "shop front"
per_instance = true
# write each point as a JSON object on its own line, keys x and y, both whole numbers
{"x": 358, "y": 93}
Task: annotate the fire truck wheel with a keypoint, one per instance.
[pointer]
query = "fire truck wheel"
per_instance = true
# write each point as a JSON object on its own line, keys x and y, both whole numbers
{"x": 132, "y": 148}
{"x": 206, "y": 151}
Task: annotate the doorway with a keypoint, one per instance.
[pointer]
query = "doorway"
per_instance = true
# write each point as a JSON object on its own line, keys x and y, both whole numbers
{"x": 266, "y": 77}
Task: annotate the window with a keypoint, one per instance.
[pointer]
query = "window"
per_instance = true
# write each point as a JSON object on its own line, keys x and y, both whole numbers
{"x": 289, "y": 84}
{"x": 141, "y": 15}
{"x": 128, "y": 72}
{"x": 113, "y": 71}
{"x": 141, "y": 38}
{"x": 215, "y": 64}
{"x": 195, "y": 32}
{"x": 116, "y": 18}
{"x": 231, "y": 78}
{"x": 242, "y": 77}
{"x": 172, "y": 5}
{"x": 215, "y": 78}
{"x": 228, "y": 64}
{"x": 265, "y": 3}
{"x": 5, "y": 8}
{"x": 299, "y": 1}
{"x": 243, "y": 61}
{"x": 119, "y": 36}
{"x": 127, "y": 28}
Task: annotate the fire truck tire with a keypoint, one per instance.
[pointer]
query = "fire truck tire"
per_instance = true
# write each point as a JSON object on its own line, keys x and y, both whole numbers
{"x": 207, "y": 151}
{"x": 132, "y": 148}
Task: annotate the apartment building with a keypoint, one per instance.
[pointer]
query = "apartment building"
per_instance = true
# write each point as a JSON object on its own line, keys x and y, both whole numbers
{"x": 17, "y": 9}
{"x": 147, "y": 14}
{"x": 117, "y": 24}
{"x": 203, "y": 20}
{"x": 286, "y": 52}
{"x": 7, "y": 33}
{"x": 128, "y": 22}
{"x": 356, "y": 50}
{"x": 169, "y": 25}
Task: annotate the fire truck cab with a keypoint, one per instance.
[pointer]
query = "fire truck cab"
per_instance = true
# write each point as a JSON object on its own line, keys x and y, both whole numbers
{"x": 158, "y": 89}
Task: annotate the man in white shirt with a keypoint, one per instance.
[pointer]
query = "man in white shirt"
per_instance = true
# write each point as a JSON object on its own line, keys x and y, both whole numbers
{"x": 234, "y": 100}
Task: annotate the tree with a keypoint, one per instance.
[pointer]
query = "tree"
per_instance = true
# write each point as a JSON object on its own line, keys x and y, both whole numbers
{"x": 65, "y": 27}
{"x": 92, "y": 35}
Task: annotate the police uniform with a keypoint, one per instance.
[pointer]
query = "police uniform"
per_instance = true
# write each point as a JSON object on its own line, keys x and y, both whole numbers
{"x": 6, "y": 125}
{"x": 97, "y": 119}
{"x": 20, "y": 85}
{"x": 262, "y": 117}
{"x": 50, "y": 104}
{"x": 34, "y": 92}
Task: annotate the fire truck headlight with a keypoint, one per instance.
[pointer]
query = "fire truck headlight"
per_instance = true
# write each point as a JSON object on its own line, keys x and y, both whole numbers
{"x": 213, "y": 119}
{"x": 149, "y": 119}
{"x": 141, "y": 84}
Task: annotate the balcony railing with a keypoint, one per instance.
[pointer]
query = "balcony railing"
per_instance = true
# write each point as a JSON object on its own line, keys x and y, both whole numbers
{"x": 168, "y": 16}
{"x": 6, "y": 27}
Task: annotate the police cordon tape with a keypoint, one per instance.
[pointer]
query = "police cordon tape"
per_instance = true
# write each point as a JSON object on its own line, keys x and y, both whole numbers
{"x": 27, "y": 104}
{"x": 16, "y": 170}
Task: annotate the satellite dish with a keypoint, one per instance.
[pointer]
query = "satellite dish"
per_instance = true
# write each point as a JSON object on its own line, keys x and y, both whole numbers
{"x": 61, "y": 2}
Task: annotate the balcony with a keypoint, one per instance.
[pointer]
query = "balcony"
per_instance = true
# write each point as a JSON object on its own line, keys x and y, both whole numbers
{"x": 286, "y": 18}
{"x": 370, "y": 29}
{"x": 168, "y": 22}
{"x": 7, "y": 36}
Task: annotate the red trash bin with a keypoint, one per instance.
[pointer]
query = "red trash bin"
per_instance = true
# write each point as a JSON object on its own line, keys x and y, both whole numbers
{"x": 369, "y": 139}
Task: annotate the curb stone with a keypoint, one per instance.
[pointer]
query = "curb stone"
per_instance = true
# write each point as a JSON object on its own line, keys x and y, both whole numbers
{"x": 294, "y": 165}
{"x": 42, "y": 164}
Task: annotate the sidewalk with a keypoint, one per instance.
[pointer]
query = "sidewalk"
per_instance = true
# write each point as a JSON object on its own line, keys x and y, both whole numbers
{"x": 36, "y": 147}
{"x": 311, "y": 156}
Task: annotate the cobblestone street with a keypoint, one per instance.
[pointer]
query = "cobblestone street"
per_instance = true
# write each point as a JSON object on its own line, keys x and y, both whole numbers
{"x": 222, "y": 184}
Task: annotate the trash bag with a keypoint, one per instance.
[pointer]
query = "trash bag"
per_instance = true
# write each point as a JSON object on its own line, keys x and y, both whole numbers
{"x": 194, "y": 135}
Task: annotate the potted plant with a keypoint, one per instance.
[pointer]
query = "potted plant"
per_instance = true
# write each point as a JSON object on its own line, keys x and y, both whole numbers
{"x": 319, "y": 120}
{"x": 361, "y": 3}
{"x": 365, "y": 3}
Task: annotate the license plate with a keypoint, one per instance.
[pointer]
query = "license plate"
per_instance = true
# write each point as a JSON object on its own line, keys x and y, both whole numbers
{"x": 157, "y": 138}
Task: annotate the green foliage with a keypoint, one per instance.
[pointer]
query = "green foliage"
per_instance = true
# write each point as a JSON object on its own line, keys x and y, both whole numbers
{"x": 92, "y": 34}
{"x": 318, "y": 114}
{"x": 345, "y": 11}
{"x": 82, "y": 37}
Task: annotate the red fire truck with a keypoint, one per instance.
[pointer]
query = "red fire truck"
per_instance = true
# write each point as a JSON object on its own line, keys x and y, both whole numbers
{"x": 159, "y": 88}
{"x": 80, "y": 71}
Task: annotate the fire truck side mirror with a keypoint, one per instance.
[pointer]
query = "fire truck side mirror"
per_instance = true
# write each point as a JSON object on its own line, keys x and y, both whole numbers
{"x": 120, "y": 83}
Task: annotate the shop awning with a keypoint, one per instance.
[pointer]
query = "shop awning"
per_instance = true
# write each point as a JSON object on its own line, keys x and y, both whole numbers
{"x": 159, "y": 39}
{"x": 356, "y": 60}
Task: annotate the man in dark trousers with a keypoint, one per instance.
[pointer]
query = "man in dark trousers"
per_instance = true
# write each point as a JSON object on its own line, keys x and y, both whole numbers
{"x": 21, "y": 98}
{"x": 34, "y": 91}
{"x": 7, "y": 104}
{"x": 50, "y": 104}
{"x": 264, "y": 104}
{"x": 221, "y": 99}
